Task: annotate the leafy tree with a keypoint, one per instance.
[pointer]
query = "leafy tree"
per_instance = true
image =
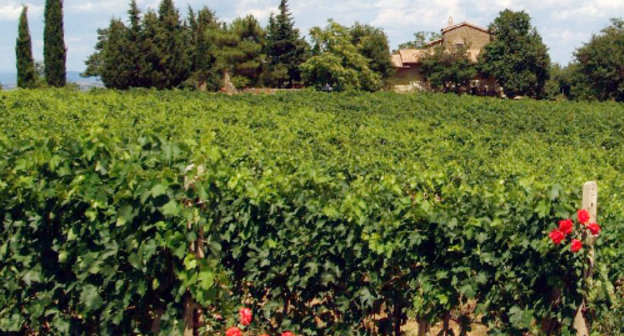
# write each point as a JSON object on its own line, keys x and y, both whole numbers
{"x": 54, "y": 52}
{"x": 372, "y": 42}
{"x": 517, "y": 58}
{"x": 26, "y": 76}
{"x": 338, "y": 62}
{"x": 601, "y": 61}
{"x": 421, "y": 39}
{"x": 286, "y": 50}
{"x": 449, "y": 70}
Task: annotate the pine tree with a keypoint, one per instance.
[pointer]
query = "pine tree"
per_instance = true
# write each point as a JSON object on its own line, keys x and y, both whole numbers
{"x": 248, "y": 57}
{"x": 117, "y": 69}
{"x": 26, "y": 77}
{"x": 205, "y": 73}
{"x": 54, "y": 52}
{"x": 286, "y": 50}
{"x": 152, "y": 73}
{"x": 134, "y": 55}
{"x": 172, "y": 46}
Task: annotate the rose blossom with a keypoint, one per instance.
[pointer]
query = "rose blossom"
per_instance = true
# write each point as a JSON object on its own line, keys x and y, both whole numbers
{"x": 245, "y": 316}
{"x": 594, "y": 228}
{"x": 582, "y": 216}
{"x": 233, "y": 331}
{"x": 576, "y": 245}
{"x": 566, "y": 226}
{"x": 557, "y": 236}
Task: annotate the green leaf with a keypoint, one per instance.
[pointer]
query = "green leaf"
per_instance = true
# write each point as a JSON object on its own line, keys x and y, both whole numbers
{"x": 90, "y": 298}
{"x": 171, "y": 209}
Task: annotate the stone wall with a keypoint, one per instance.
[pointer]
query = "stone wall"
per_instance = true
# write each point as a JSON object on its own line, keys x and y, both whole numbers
{"x": 473, "y": 38}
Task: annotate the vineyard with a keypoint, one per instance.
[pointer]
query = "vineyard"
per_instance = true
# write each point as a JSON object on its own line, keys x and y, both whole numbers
{"x": 326, "y": 214}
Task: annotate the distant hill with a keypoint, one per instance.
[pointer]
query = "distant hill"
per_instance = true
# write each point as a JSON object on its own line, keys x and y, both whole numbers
{"x": 9, "y": 80}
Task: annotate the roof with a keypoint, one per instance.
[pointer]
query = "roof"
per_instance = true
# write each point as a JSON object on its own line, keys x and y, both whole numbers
{"x": 463, "y": 24}
{"x": 434, "y": 42}
{"x": 405, "y": 57}
{"x": 412, "y": 55}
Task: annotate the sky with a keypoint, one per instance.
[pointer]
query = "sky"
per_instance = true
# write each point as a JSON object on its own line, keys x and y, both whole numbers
{"x": 563, "y": 24}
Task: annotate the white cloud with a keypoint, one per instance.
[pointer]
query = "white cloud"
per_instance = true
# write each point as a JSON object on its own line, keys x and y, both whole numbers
{"x": 417, "y": 14}
{"x": 106, "y": 6}
{"x": 260, "y": 9}
{"x": 12, "y": 11}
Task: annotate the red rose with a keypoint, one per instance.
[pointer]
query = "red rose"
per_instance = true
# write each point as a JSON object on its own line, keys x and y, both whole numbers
{"x": 566, "y": 226}
{"x": 557, "y": 236}
{"x": 582, "y": 216}
{"x": 576, "y": 245}
{"x": 287, "y": 333}
{"x": 264, "y": 335}
{"x": 233, "y": 331}
{"x": 245, "y": 316}
{"x": 594, "y": 228}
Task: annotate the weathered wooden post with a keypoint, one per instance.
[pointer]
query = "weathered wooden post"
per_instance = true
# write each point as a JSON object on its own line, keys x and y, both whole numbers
{"x": 590, "y": 203}
{"x": 423, "y": 327}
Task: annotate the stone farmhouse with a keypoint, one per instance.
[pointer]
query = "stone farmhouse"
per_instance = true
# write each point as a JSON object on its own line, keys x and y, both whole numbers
{"x": 407, "y": 62}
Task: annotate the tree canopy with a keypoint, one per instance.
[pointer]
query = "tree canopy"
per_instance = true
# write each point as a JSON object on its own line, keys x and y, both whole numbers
{"x": 285, "y": 49}
{"x": 54, "y": 52}
{"x": 372, "y": 43}
{"x": 26, "y": 76}
{"x": 601, "y": 62}
{"x": 449, "y": 70}
{"x": 337, "y": 62}
{"x": 517, "y": 58}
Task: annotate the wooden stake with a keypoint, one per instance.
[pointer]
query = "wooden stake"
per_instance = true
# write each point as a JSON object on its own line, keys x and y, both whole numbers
{"x": 590, "y": 203}
{"x": 423, "y": 327}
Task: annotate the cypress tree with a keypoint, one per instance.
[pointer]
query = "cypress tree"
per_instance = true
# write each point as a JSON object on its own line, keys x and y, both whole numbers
{"x": 134, "y": 57}
{"x": 171, "y": 42}
{"x": 286, "y": 50}
{"x": 54, "y": 52}
{"x": 23, "y": 52}
{"x": 205, "y": 73}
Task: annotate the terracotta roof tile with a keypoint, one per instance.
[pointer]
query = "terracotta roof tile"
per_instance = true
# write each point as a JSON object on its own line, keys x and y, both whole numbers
{"x": 411, "y": 55}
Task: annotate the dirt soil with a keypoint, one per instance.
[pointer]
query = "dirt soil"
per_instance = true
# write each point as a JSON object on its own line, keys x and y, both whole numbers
{"x": 411, "y": 329}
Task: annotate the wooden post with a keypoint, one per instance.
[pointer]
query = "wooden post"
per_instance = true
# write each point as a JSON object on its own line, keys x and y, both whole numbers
{"x": 423, "y": 327}
{"x": 590, "y": 203}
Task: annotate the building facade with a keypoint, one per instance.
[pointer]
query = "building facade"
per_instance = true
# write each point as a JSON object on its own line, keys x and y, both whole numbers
{"x": 407, "y": 62}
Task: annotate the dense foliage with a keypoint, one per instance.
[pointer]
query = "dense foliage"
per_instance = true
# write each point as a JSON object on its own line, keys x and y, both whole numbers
{"x": 54, "y": 52}
{"x": 325, "y": 214}
{"x": 336, "y": 61}
{"x": 164, "y": 51}
{"x": 601, "y": 62}
{"x": 26, "y": 76}
{"x": 286, "y": 49}
{"x": 372, "y": 43}
{"x": 449, "y": 70}
{"x": 517, "y": 58}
